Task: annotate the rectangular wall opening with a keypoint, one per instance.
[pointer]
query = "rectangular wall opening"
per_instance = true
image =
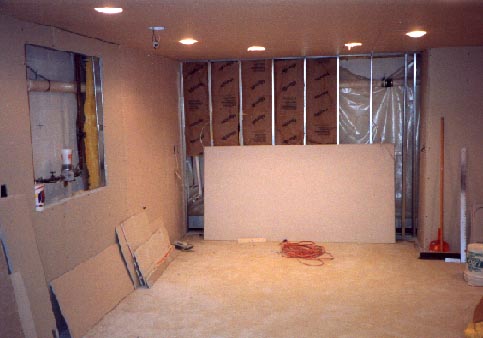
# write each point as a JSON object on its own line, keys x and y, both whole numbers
{"x": 65, "y": 98}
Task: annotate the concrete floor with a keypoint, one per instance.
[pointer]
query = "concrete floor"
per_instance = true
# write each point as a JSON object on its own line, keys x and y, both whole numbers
{"x": 225, "y": 289}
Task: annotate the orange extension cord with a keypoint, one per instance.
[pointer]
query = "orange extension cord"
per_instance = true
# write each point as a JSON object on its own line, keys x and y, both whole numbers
{"x": 305, "y": 250}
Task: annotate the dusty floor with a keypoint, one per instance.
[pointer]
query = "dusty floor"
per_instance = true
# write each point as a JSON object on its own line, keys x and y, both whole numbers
{"x": 225, "y": 289}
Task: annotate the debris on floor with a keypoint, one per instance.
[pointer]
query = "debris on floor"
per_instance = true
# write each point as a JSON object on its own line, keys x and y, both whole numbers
{"x": 183, "y": 246}
{"x": 305, "y": 250}
{"x": 251, "y": 240}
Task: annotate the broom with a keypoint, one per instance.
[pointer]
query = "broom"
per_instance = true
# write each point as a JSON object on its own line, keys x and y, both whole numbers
{"x": 440, "y": 245}
{"x": 439, "y": 248}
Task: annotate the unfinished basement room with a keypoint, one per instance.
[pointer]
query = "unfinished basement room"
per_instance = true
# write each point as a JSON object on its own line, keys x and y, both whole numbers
{"x": 241, "y": 168}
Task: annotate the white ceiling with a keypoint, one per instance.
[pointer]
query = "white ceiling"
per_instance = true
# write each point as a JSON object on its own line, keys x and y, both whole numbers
{"x": 225, "y": 28}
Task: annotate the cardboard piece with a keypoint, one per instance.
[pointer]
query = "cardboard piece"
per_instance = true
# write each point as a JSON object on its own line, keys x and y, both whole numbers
{"x": 289, "y": 101}
{"x": 322, "y": 193}
{"x": 225, "y": 93}
{"x": 151, "y": 255}
{"x": 92, "y": 289}
{"x": 196, "y": 107}
{"x": 10, "y": 325}
{"x": 23, "y": 305}
{"x": 322, "y": 101}
{"x": 257, "y": 101}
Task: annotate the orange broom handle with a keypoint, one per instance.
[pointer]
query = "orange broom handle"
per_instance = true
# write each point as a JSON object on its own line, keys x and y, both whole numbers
{"x": 441, "y": 187}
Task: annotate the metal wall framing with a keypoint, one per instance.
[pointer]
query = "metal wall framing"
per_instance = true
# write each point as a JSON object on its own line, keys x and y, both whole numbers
{"x": 305, "y": 101}
{"x": 414, "y": 118}
{"x": 370, "y": 102}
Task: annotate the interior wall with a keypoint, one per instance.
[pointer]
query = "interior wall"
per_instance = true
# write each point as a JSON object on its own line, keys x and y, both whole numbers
{"x": 452, "y": 88}
{"x": 140, "y": 132}
{"x": 324, "y": 193}
{"x": 152, "y": 140}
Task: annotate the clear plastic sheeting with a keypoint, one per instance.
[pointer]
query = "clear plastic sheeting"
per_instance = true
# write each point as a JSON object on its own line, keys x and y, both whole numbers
{"x": 194, "y": 175}
{"x": 395, "y": 119}
{"x": 354, "y": 101}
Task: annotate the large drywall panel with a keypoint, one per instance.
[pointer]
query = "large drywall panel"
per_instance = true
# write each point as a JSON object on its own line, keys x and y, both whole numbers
{"x": 452, "y": 88}
{"x": 92, "y": 289}
{"x": 17, "y": 233}
{"x": 10, "y": 325}
{"x": 327, "y": 193}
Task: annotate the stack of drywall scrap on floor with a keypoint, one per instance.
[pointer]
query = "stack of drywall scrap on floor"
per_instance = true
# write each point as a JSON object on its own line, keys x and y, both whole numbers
{"x": 145, "y": 247}
{"x": 92, "y": 289}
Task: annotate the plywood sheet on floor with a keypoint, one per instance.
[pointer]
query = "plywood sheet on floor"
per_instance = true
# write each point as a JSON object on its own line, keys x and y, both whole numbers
{"x": 92, "y": 289}
{"x": 327, "y": 193}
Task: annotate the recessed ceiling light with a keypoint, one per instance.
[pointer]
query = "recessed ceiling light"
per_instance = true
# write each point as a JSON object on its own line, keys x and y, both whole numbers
{"x": 157, "y": 28}
{"x": 350, "y": 45}
{"x": 256, "y": 49}
{"x": 416, "y": 34}
{"x": 109, "y": 10}
{"x": 188, "y": 41}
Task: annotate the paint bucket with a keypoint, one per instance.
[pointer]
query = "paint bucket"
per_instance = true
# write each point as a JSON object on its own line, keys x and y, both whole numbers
{"x": 39, "y": 197}
{"x": 474, "y": 265}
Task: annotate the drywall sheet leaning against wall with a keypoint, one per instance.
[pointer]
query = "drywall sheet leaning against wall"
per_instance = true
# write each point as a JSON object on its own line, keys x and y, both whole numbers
{"x": 131, "y": 234}
{"x": 10, "y": 325}
{"x": 225, "y": 90}
{"x": 322, "y": 101}
{"x": 257, "y": 101}
{"x": 289, "y": 101}
{"x": 145, "y": 247}
{"x": 324, "y": 193}
{"x": 196, "y": 107}
{"x": 92, "y": 289}
{"x": 153, "y": 256}
{"x": 24, "y": 307}
{"x": 20, "y": 243}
